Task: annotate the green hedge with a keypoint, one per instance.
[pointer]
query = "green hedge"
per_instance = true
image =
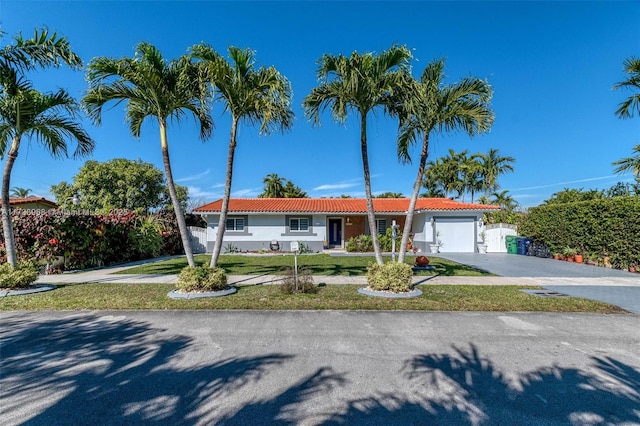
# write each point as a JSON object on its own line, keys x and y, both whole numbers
{"x": 87, "y": 240}
{"x": 598, "y": 229}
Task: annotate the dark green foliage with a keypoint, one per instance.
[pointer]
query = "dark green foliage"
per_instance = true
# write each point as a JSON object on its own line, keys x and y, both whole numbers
{"x": 118, "y": 184}
{"x": 391, "y": 276}
{"x": 598, "y": 228}
{"x": 300, "y": 283}
{"x": 19, "y": 277}
{"x": 88, "y": 240}
{"x": 364, "y": 243}
{"x": 201, "y": 278}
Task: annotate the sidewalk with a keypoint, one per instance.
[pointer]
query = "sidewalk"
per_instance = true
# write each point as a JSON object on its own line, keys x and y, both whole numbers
{"x": 110, "y": 275}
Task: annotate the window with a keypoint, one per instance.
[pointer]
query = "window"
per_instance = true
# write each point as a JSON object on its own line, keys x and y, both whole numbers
{"x": 381, "y": 226}
{"x": 299, "y": 224}
{"x": 235, "y": 224}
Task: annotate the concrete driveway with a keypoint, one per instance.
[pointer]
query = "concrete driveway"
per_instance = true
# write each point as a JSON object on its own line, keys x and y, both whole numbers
{"x": 620, "y": 288}
{"x": 312, "y": 368}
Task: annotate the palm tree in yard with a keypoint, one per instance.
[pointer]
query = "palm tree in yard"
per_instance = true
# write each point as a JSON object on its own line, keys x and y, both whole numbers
{"x": 25, "y": 112}
{"x": 156, "y": 88}
{"x": 42, "y": 50}
{"x": 360, "y": 84}
{"x": 433, "y": 106}
{"x": 631, "y": 164}
{"x": 49, "y": 119}
{"x": 273, "y": 186}
{"x": 631, "y": 105}
{"x": 504, "y": 200}
{"x": 492, "y": 166}
{"x": 259, "y": 97}
{"x": 20, "y": 192}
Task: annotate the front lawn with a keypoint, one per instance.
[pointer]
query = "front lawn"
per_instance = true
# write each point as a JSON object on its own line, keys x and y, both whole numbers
{"x": 319, "y": 264}
{"x": 109, "y": 296}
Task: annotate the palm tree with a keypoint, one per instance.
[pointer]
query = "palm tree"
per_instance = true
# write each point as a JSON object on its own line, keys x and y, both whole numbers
{"x": 18, "y": 192}
{"x": 273, "y": 186}
{"x": 152, "y": 87}
{"x": 504, "y": 200}
{"x": 493, "y": 165}
{"x": 19, "y": 102}
{"x": 42, "y": 50}
{"x": 631, "y": 164}
{"x": 390, "y": 195}
{"x": 434, "y": 106}
{"x": 472, "y": 171}
{"x": 259, "y": 97}
{"x": 360, "y": 84}
{"x": 48, "y": 118}
{"x": 630, "y": 106}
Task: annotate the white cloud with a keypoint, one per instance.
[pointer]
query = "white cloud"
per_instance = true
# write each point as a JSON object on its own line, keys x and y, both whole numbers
{"x": 194, "y": 177}
{"x": 328, "y": 187}
{"x": 564, "y": 183}
{"x": 246, "y": 193}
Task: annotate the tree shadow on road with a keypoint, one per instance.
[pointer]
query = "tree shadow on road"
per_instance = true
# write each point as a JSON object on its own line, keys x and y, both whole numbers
{"x": 467, "y": 388}
{"x": 87, "y": 369}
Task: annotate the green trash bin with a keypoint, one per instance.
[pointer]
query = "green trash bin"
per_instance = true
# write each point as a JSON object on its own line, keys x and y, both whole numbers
{"x": 512, "y": 244}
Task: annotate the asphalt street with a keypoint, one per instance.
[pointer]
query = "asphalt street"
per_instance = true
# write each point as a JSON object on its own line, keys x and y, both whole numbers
{"x": 308, "y": 368}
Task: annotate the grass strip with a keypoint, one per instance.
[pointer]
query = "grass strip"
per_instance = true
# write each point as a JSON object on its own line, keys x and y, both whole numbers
{"x": 109, "y": 296}
{"x": 319, "y": 264}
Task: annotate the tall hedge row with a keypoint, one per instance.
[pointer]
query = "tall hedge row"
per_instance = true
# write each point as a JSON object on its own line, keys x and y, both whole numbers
{"x": 86, "y": 240}
{"x": 598, "y": 229}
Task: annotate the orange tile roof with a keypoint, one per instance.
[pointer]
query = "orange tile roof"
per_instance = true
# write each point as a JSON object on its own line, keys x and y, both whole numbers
{"x": 337, "y": 205}
{"x": 31, "y": 200}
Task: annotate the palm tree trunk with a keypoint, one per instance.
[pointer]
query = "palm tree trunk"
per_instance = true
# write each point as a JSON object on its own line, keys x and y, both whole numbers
{"x": 367, "y": 189}
{"x": 408, "y": 223}
{"x": 7, "y": 225}
{"x": 182, "y": 224}
{"x": 222, "y": 223}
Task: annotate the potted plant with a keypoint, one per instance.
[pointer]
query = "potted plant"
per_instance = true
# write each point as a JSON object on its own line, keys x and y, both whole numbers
{"x": 435, "y": 246}
{"x": 482, "y": 246}
{"x": 569, "y": 253}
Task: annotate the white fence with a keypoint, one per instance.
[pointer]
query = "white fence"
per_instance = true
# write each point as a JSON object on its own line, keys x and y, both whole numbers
{"x": 198, "y": 239}
{"x": 495, "y": 237}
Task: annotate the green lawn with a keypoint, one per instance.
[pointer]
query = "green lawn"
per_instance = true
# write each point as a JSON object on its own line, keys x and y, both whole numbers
{"x": 319, "y": 264}
{"x": 268, "y": 297}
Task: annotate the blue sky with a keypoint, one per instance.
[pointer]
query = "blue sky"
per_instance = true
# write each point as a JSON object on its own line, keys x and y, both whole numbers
{"x": 552, "y": 66}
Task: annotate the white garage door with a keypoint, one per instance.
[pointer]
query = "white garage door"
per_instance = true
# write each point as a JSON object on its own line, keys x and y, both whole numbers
{"x": 456, "y": 234}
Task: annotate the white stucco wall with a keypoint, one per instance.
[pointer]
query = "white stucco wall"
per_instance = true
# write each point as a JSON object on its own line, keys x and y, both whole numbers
{"x": 261, "y": 229}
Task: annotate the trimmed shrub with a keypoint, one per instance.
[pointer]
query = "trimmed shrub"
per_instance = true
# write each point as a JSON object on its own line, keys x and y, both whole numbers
{"x": 391, "y": 276}
{"x": 364, "y": 243}
{"x": 599, "y": 228}
{"x": 202, "y": 279}
{"x": 304, "y": 283}
{"x": 21, "y": 276}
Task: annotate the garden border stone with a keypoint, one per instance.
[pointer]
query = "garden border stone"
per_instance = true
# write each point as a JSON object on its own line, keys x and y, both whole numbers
{"x": 36, "y": 288}
{"x": 175, "y": 294}
{"x": 413, "y": 293}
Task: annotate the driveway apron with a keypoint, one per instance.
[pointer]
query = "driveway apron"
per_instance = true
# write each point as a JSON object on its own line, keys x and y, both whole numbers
{"x": 613, "y": 286}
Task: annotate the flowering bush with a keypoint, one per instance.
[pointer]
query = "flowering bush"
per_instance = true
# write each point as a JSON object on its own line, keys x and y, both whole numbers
{"x": 88, "y": 240}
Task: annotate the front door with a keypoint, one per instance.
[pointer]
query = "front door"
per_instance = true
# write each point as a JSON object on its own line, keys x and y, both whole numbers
{"x": 335, "y": 232}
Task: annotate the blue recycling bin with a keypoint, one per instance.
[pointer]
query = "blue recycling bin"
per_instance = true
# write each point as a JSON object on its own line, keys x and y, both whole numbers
{"x": 522, "y": 245}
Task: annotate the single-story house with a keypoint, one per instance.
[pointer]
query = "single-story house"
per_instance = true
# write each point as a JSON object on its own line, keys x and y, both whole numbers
{"x": 33, "y": 203}
{"x": 255, "y": 223}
